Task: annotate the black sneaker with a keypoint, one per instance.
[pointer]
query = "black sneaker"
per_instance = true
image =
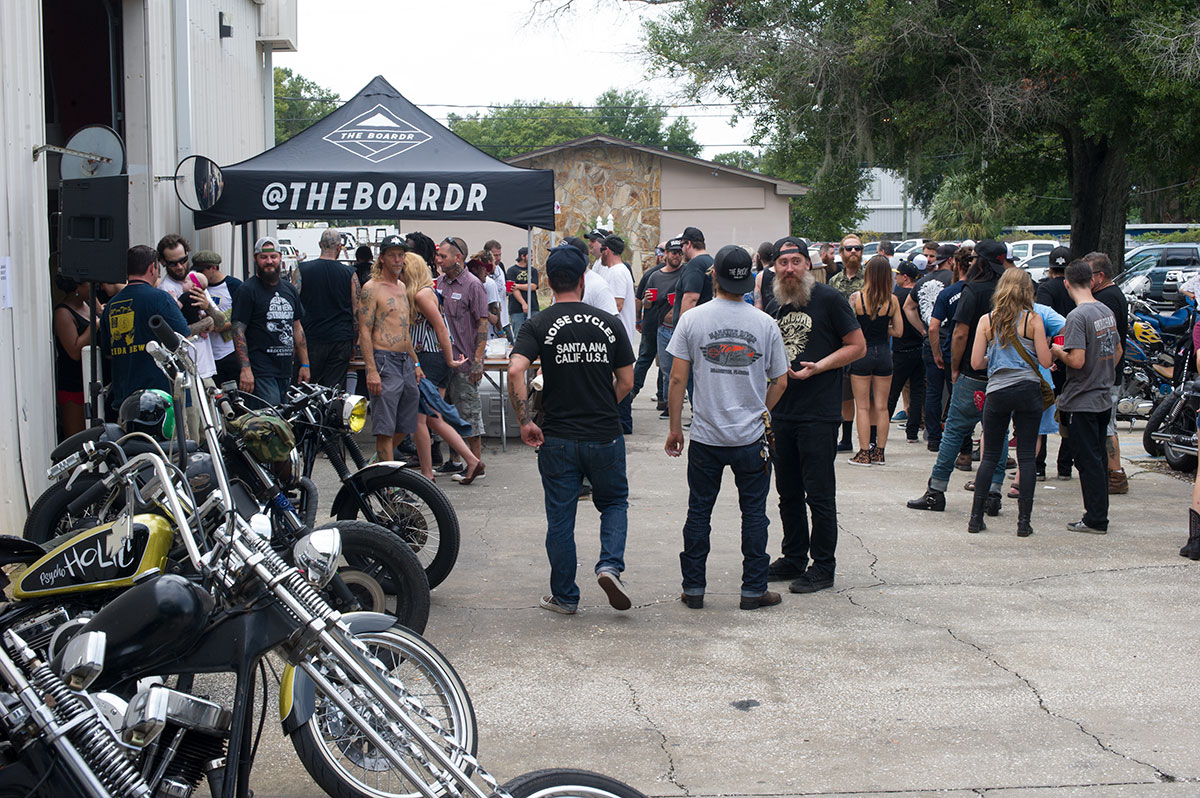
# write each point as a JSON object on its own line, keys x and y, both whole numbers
{"x": 665, "y": 413}
{"x": 781, "y": 569}
{"x": 933, "y": 446}
{"x": 810, "y": 582}
{"x": 934, "y": 500}
{"x": 451, "y": 467}
{"x": 610, "y": 583}
{"x": 845, "y": 446}
{"x": 1080, "y": 526}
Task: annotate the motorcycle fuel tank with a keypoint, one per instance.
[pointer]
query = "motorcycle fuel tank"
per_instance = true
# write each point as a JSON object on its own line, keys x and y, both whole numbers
{"x": 106, "y": 556}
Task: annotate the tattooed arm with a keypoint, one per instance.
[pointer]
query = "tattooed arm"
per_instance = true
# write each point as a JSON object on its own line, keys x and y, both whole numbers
{"x": 366, "y": 327}
{"x": 518, "y": 394}
{"x": 355, "y": 288}
{"x": 303, "y": 375}
{"x": 246, "y": 378}
{"x": 481, "y": 336}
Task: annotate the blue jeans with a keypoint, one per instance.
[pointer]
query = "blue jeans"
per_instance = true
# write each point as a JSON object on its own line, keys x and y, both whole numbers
{"x": 960, "y": 421}
{"x": 666, "y": 360}
{"x": 271, "y": 389}
{"x": 517, "y": 319}
{"x": 563, "y": 464}
{"x": 752, "y": 476}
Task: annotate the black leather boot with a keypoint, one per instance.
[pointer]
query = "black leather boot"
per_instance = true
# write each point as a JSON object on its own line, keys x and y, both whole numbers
{"x": 1191, "y": 549}
{"x": 1024, "y": 511}
{"x": 975, "y": 522}
{"x": 992, "y": 505}
{"x": 931, "y": 500}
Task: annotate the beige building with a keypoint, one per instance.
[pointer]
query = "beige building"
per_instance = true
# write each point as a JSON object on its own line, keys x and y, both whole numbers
{"x": 172, "y": 78}
{"x": 652, "y": 194}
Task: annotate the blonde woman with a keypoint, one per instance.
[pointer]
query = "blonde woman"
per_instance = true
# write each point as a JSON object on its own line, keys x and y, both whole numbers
{"x": 878, "y": 313}
{"x": 1013, "y": 389}
{"x": 431, "y": 340}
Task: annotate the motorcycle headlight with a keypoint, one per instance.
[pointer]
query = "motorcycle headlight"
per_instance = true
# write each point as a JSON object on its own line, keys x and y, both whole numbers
{"x": 316, "y": 555}
{"x": 354, "y": 412}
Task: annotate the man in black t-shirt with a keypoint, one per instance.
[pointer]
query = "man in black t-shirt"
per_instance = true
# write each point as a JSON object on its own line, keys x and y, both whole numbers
{"x": 1109, "y": 294}
{"x": 587, "y": 369}
{"x": 1052, "y": 292}
{"x": 663, "y": 283}
{"x": 523, "y": 298}
{"x": 907, "y": 365}
{"x": 695, "y": 281}
{"x": 918, "y": 309}
{"x": 966, "y": 397}
{"x": 821, "y": 336}
{"x": 267, "y": 329}
{"x": 329, "y": 291}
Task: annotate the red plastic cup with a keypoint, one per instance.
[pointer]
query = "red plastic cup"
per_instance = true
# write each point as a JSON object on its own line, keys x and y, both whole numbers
{"x": 671, "y": 299}
{"x": 508, "y": 285}
{"x": 651, "y": 294}
{"x": 1058, "y": 339}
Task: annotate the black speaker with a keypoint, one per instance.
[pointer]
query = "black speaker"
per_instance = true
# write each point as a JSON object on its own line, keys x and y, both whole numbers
{"x": 94, "y": 228}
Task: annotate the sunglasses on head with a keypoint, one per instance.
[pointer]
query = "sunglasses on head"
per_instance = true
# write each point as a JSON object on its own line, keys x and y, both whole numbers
{"x": 454, "y": 244}
{"x": 853, "y": 249}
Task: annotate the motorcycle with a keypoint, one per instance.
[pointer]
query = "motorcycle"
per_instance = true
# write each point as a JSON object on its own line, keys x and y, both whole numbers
{"x": 378, "y": 573}
{"x": 1149, "y": 364}
{"x": 386, "y": 493}
{"x": 1175, "y": 430}
{"x": 1170, "y": 421}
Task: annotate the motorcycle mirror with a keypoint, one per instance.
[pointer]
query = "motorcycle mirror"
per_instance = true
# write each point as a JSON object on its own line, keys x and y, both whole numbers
{"x": 316, "y": 555}
{"x": 83, "y": 659}
{"x": 146, "y": 716}
{"x": 198, "y": 182}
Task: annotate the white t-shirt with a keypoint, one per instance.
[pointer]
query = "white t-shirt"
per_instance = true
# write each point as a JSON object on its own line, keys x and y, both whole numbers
{"x": 620, "y": 282}
{"x": 734, "y": 349}
{"x": 493, "y": 295}
{"x": 501, "y": 281}
{"x": 224, "y": 302}
{"x": 597, "y": 293}
{"x": 202, "y": 353}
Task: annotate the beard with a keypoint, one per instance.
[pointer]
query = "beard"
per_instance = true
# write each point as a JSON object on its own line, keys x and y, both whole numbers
{"x": 794, "y": 290}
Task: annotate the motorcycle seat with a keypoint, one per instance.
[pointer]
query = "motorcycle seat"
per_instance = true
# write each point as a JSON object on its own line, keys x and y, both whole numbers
{"x": 1174, "y": 322}
{"x": 100, "y": 432}
{"x": 15, "y": 549}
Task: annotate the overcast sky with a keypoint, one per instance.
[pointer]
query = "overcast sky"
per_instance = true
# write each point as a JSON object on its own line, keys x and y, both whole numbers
{"x": 480, "y": 52}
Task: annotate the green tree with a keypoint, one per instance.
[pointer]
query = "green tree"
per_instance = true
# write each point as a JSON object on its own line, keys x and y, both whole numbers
{"x": 894, "y": 84}
{"x": 740, "y": 159}
{"x": 961, "y": 209}
{"x": 298, "y": 103}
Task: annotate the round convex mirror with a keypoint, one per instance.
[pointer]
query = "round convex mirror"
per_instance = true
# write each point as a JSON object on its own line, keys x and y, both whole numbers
{"x": 198, "y": 182}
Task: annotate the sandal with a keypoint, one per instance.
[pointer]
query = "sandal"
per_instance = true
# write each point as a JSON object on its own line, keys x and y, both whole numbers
{"x": 969, "y": 486}
{"x": 1013, "y": 491}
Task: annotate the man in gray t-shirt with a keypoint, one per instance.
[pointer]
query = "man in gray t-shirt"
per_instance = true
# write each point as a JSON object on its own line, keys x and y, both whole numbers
{"x": 1090, "y": 350}
{"x": 736, "y": 357}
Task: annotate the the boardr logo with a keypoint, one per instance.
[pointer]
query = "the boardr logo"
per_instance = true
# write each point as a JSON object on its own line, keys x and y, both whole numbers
{"x": 377, "y": 135}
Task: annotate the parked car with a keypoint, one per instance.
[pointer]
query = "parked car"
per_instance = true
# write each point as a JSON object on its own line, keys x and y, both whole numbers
{"x": 870, "y": 249}
{"x": 1037, "y": 266}
{"x": 1029, "y": 247}
{"x": 1155, "y": 272}
{"x": 908, "y": 244}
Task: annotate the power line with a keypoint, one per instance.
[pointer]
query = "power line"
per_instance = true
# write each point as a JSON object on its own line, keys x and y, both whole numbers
{"x": 546, "y": 107}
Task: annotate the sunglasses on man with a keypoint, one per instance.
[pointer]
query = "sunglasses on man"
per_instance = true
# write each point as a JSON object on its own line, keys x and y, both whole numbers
{"x": 454, "y": 244}
{"x": 179, "y": 262}
{"x": 853, "y": 249}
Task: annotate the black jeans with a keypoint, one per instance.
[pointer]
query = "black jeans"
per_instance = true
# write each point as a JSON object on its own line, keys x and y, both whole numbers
{"x": 329, "y": 362}
{"x": 1088, "y": 433}
{"x": 935, "y": 384}
{"x": 806, "y": 481}
{"x": 1021, "y": 404}
{"x": 752, "y": 476}
{"x": 908, "y": 365}
{"x": 647, "y": 351}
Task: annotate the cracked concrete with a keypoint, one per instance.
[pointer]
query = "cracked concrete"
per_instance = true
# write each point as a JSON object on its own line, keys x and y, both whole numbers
{"x": 941, "y": 662}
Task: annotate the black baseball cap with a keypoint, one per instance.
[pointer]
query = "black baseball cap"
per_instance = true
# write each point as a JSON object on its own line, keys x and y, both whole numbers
{"x": 944, "y": 253}
{"x": 599, "y": 234}
{"x": 522, "y": 252}
{"x": 675, "y": 245}
{"x": 792, "y": 242}
{"x": 734, "y": 269}
{"x": 614, "y": 244}
{"x": 991, "y": 250}
{"x": 693, "y": 235}
{"x": 908, "y": 269}
{"x": 392, "y": 241}
{"x": 1059, "y": 258}
{"x": 566, "y": 257}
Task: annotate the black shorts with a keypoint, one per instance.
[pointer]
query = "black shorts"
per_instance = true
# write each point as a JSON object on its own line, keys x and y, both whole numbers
{"x": 435, "y": 368}
{"x": 877, "y": 362}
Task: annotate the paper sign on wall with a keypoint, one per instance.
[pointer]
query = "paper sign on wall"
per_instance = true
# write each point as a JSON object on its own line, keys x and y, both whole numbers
{"x": 6, "y": 288}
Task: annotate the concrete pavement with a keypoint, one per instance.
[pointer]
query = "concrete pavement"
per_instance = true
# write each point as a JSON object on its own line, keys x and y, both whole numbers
{"x": 940, "y": 662}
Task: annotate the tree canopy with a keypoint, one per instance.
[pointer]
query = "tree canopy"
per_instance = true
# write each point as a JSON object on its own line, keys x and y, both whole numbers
{"x": 1102, "y": 94}
{"x": 521, "y": 126}
{"x": 299, "y": 102}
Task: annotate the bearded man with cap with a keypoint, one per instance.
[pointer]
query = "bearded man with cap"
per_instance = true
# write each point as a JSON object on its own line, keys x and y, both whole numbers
{"x": 735, "y": 354}
{"x": 266, "y": 327}
{"x": 821, "y": 336}
{"x": 587, "y": 369}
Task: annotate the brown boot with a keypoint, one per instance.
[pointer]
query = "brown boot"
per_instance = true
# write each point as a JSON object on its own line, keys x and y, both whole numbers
{"x": 1117, "y": 482}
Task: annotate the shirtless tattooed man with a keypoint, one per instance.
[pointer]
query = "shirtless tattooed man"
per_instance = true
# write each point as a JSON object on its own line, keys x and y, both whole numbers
{"x": 391, "y": 361}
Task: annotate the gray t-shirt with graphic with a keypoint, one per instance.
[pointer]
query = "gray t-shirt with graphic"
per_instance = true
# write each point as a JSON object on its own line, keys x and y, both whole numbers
{"x": 734, "y": 349}
{"x": 1091, "y": 327}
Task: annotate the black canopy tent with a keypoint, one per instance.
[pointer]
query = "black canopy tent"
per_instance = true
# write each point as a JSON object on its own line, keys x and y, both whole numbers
{"x": 380, "y": 157}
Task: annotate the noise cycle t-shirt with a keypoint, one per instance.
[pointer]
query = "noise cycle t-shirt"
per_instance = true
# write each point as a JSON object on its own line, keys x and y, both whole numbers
{"x": 580, "y": 348}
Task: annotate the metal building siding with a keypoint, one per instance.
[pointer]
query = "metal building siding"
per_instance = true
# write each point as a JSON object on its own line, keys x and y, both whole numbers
{"x": 27, "y": 408}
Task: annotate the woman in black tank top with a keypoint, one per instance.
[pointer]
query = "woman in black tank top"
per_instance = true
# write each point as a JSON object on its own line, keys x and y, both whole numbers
{"x": 878, "y": 313}
{"x": 71, "y": 334}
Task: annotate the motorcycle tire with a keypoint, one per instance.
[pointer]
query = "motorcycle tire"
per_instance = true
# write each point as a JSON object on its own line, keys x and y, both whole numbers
{"x": 50, "y": 515}
{"x": 420, "y": 512}
{"x": 1183, "y": 424}
{"x": 345, "y": 766}
{"x": 1157, "y": 416}
{"x": 380, "y": 569}
{"x": 568, "y": 783}
{"x": 1179, "y": 461}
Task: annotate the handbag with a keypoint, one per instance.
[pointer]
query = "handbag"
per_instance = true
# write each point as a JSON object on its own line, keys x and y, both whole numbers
{"x": 1048, "y": 397}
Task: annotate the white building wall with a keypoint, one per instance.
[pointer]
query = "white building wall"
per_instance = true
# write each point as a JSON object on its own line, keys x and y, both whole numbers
{"x": 884, "y": 200}
{"x": 728, "y": 209}
{"x": 26, "y": 350}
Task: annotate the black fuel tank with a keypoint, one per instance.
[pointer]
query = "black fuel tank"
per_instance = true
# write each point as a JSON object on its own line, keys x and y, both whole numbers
{"x": 150, "y": 625}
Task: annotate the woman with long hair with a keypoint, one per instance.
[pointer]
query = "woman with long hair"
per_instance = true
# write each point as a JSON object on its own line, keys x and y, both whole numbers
{"x": 72, "y": 333}
{"x": 878, "y": 313}
{"x": 1013, "y": 389}
{"x": 431, "y": 340}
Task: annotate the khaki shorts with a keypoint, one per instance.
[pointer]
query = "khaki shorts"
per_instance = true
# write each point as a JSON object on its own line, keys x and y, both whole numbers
{"x": 464, "y": 395}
